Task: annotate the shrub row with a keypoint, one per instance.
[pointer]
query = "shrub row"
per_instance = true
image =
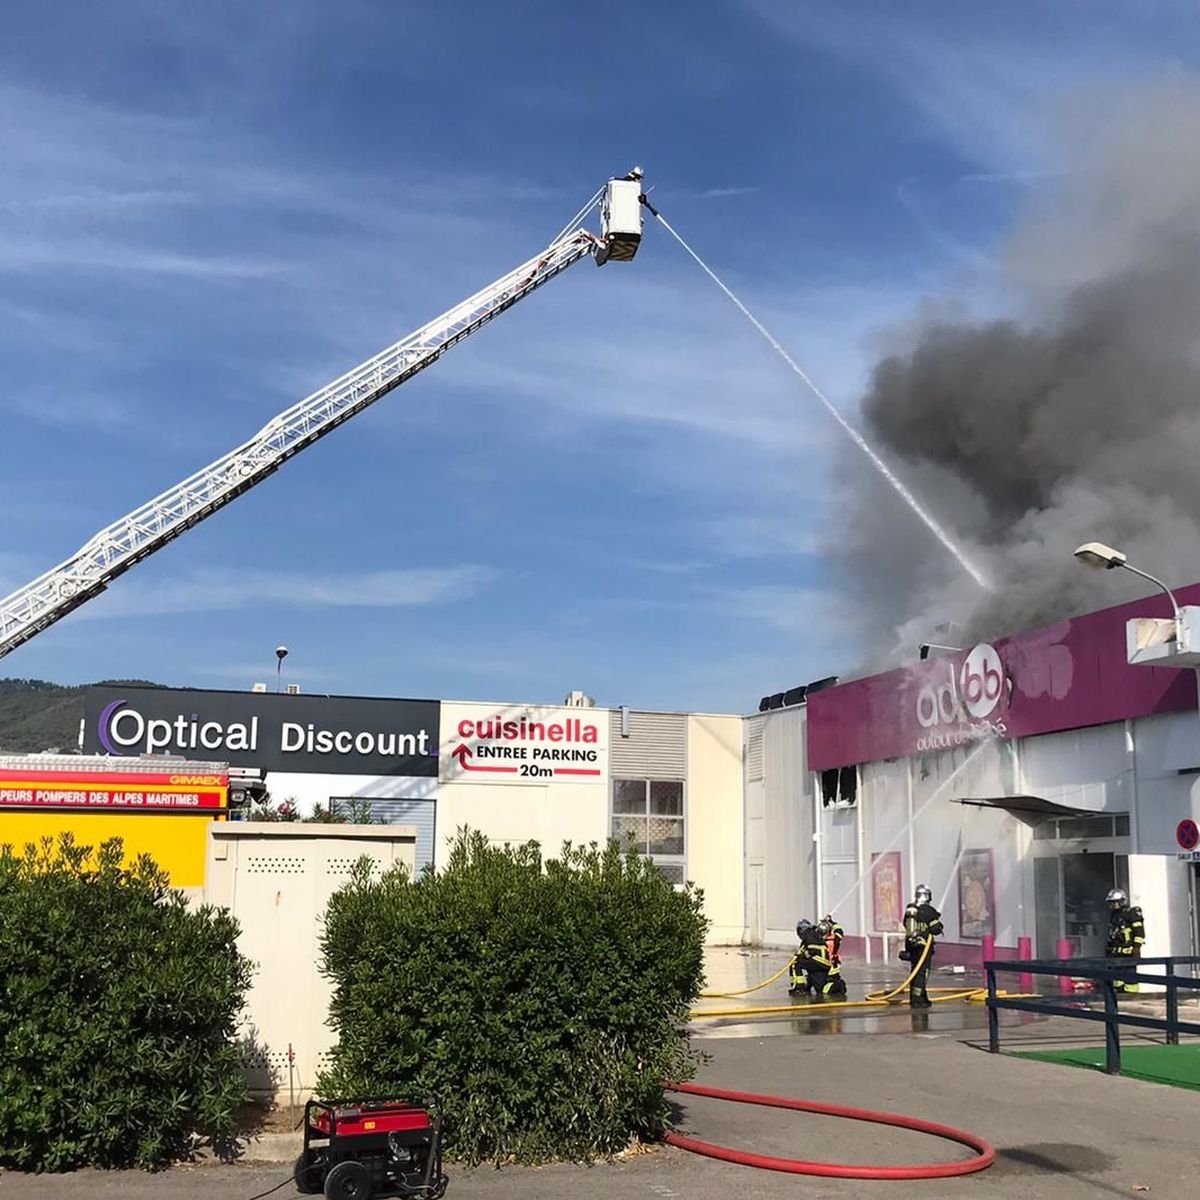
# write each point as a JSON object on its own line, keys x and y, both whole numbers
{"x": 542, "y": 1002}
{"x": 118, "y": 1012}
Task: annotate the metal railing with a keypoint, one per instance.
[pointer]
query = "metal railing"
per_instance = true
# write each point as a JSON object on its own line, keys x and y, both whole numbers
{"x": 1108, "y": 973}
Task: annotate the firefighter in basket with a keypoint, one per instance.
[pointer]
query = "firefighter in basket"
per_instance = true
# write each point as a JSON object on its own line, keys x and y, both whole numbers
{"x": 922, "y": 924}
{"x": 1126, "y": 935}
{"x": 813, "y": 970}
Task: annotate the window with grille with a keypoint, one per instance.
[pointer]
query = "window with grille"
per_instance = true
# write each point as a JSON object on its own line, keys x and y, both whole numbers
{"x": 648, "y": 815}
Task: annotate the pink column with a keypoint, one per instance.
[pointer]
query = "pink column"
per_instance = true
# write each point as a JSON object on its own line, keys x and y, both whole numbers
{"x": 1025, "y": 953}
{"x": 1063, "y": 951}
{"x": 988, "y": 950}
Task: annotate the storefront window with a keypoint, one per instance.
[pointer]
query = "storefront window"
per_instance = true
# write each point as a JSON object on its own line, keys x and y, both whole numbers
{"x": 648, "y": 815}
{"x": 1101, "y": 825}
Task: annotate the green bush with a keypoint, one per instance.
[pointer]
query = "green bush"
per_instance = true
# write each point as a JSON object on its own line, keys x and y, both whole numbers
{"x": 543, "y": 1003}
{"x": 118, "y": 1006}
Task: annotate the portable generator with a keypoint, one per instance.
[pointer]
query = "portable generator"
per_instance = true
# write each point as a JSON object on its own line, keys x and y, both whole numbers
{"x": 355, "y": 1149}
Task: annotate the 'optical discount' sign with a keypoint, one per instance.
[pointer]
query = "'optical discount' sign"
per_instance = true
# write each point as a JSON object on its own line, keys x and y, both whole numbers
{"x": 491, "y": 744}
{"x": 105, "y": 791}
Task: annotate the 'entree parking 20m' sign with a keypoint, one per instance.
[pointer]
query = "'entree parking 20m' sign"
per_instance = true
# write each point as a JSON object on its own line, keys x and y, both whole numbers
{"x": 484, "y": 743}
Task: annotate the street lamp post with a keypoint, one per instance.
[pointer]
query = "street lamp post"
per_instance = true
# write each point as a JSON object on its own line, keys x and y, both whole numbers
{"x": 1100, "y": 557}
{"x": 1150, "y": 642}
{"x": 280, "y": 655}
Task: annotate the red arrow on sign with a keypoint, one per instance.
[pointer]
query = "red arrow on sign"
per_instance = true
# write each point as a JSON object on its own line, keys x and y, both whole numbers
{"x": 462, "y": 753}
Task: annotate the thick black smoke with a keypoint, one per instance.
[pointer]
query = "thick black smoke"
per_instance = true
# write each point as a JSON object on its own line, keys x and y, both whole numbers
{"x": 1077, "y": 421}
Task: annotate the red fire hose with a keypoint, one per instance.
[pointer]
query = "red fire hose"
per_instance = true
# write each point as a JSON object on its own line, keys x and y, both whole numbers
{"x": 985, "y": 1155}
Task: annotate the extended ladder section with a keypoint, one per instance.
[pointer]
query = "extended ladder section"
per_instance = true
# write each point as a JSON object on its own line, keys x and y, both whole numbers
{"x": 126, "y": 542}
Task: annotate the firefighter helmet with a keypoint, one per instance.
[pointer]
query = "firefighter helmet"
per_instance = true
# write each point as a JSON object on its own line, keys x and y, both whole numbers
{"x": 802, "y": 925}
{"x": 1117, "y": 899}
{"x": 922, "y": 894}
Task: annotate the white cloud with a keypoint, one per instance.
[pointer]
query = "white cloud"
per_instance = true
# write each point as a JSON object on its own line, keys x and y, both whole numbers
{"x": 984, "y": 86}
{"x": 224, "y": 588}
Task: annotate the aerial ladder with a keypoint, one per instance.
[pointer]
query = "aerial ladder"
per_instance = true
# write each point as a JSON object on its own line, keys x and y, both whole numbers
{"x": 126, "y": 542}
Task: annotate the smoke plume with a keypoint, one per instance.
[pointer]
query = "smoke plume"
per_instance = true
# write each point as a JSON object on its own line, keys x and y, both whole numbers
{"x": 1077, "y": 420}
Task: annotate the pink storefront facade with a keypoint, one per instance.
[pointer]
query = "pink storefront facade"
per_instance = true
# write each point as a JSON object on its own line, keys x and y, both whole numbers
{"x": 1020, "y": 779}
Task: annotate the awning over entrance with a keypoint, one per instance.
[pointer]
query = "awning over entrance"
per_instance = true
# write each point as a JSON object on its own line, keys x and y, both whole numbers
{"x": 1032, "y": 809}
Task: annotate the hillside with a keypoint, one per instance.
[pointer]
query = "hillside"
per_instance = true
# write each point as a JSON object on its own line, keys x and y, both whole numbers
{"x": 37, "y": 715}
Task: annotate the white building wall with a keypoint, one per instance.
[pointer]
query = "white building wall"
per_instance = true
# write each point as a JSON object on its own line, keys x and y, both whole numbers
{"x": 1158, "y": 885}
{"x": 781, "y": 855}
{"x": 1082, "y": 768}
{"x": 1165, "y": 746}
{"x": 911, "y": 807}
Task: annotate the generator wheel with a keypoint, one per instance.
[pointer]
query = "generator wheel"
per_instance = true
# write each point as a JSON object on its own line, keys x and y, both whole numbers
{"x": 307, "y": 1177}
{"x": 348, "y": 1180}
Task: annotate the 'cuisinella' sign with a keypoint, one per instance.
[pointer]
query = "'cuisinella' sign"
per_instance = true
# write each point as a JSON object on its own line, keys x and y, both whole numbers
{"x": 338, "y": 735}
{"x": 485, "y": 744}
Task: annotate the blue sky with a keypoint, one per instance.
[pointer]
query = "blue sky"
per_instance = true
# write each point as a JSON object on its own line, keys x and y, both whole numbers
{"x": 209, "y": 211}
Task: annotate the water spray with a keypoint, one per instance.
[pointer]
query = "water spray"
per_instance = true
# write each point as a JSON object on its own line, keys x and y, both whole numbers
{"x": 962, "y": 849}
{"x": 936, "y": 794}
{"x": 853, "y": 434}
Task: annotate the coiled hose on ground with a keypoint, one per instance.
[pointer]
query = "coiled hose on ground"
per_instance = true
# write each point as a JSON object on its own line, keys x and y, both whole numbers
{"x": 984, "y": 1155}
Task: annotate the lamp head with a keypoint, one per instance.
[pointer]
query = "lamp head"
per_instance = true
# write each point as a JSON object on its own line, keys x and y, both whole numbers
{"x": 1099, "y": 557}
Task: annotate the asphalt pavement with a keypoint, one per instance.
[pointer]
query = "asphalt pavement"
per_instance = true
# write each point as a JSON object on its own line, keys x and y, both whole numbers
{"x": 1059, "y": 1131}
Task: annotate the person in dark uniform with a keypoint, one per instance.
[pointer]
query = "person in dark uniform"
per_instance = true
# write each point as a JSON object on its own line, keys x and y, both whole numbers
{"x": 813, "y": 968}
{"x": 1126, "y": 935}
{"x": 922, "y": 924}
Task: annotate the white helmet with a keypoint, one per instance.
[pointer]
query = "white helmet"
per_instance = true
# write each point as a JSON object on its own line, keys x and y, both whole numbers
{"x": 922, "y": 894}
{"x": 1118, "y": 898}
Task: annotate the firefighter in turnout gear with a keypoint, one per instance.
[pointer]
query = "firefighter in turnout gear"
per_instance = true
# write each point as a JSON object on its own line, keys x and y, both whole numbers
{"x": 833, "y": 934}
{"x": 813, "y": 969}
{"x": 922, "y": 924}
{"x": 1126, "y": 934}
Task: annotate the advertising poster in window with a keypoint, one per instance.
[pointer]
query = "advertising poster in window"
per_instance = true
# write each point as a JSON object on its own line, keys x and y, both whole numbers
{"x": 976, "y": 894}
{"x": 887, "y": 892}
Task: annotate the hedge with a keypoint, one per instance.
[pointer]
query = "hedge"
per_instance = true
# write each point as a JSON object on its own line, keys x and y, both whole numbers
{"x": 543, "y": 1003}
{"x": 118, "y": 1008}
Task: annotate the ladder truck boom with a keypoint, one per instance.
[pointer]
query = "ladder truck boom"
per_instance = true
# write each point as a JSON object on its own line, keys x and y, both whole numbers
{"x": 124, "y": 543}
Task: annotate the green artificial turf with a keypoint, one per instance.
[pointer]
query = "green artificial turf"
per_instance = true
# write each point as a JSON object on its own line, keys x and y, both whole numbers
{"x": 1178, "y": 1066}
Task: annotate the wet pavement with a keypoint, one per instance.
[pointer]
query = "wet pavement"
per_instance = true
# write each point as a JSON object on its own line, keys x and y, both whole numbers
{"x": 734, "y": 968}
{"x": 1059, "y": 1131}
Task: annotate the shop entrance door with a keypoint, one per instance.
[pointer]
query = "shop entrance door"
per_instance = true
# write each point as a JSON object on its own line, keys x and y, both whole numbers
{"x": 1194, "y": 901}
{"x": 1069, "y": 897}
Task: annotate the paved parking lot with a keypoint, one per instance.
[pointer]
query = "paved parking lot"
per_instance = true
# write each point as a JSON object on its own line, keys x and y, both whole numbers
{"x": 1059, "y": 1131}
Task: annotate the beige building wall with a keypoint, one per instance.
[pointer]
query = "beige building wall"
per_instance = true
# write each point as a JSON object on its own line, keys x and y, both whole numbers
{"x": 548, "y": 813}
{"x": 277, "y": 879}
{"x": 715, "y": 821}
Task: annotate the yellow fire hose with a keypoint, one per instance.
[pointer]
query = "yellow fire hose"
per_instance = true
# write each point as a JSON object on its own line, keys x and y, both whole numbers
{"x": 880, "y": 999}
{"x": 758, "y": 987}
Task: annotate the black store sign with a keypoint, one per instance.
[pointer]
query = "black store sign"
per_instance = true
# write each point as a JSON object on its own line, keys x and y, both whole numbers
{"x": 335, "y": 735}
